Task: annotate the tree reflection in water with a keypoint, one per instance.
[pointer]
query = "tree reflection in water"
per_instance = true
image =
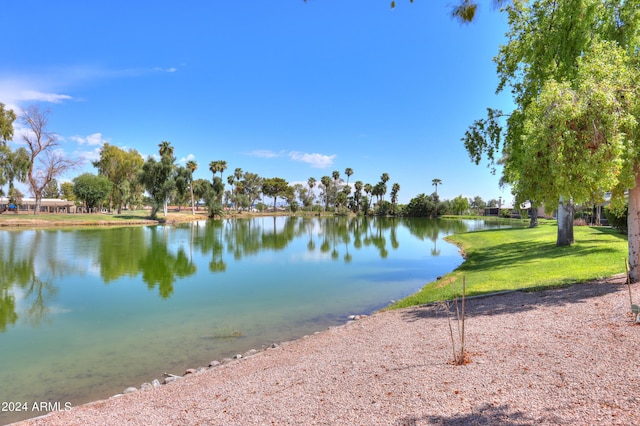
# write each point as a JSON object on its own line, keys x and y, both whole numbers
{"x": 31, "y": 260}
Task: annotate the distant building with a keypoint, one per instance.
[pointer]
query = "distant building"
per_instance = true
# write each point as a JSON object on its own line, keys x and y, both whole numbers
{"x": 47, "y": 205}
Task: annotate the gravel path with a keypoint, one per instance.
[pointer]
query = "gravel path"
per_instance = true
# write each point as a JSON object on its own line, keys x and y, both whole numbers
{"x": 564, "y": 356}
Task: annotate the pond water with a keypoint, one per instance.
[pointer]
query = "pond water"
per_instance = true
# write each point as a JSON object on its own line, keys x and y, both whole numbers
{"x": 85, "y": 313}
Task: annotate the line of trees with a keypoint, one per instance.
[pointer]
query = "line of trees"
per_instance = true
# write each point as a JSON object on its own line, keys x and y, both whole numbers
{"x": 125, "y": 179}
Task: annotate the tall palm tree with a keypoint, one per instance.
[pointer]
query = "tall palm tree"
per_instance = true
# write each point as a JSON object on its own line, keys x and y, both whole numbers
{"x": 237, "y": 173}
{"x": 395, "y": 188}
{"x": 222, "y": 167}
{"x": 348, "y": 171}
{"x": 192, "y": 166}
{"x": 311, "y": 182}
{"x": 384, "y": 178}
{"x": 358, "y": 186}
{"x": 368, "y": 188}
{"x": 326, "y": 181}
{"x": 165, "y": 148}
{"x": 435, "y": 182}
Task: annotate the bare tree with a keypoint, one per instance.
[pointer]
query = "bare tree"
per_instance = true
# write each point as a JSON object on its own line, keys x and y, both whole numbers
{"x": 42, "y": 145}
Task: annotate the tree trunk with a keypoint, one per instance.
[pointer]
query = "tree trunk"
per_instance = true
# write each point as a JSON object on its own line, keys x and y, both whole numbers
{"x": 633, "y": 224}
{"x": 566, "y": 212}
{"x": 533, "y": 213}
{"x": 38, "y": 197}
{"x": 193, "y": 208}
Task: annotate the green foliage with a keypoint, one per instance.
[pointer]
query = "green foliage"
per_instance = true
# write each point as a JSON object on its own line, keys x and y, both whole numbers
{"x": 51, "y": 190}
{"x": 526, "y": 258}
{"x": 212, "y": 196}
{"x": 92, "y": 190}
{"x": 275, "y": 187}
{"x": 565, "y": 65}
{"x": 157, "y": 178}
{"x": 121, "y": 168}
{"x": 460, "y": 205}
{"x": 617, "y": 217}
{"x": 420, "y": 206}
{"x": 7, "y": 117}
{"x": 66, "y": 191}
{"x": 382, "y": 208}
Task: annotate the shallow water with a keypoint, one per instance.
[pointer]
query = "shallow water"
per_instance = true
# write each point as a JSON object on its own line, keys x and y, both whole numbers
{"x": 85, "y": 313}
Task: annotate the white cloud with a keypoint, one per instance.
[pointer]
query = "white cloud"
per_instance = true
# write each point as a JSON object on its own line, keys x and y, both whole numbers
{"x": 37, "y": 96}
{"x": 187, "y": 158}
{"x": 15, "y": 92}
{"x": 318, "y": 161}
{"x": 88, "y": 156}
{"x": 264, "y": 153}
{"x": 91, "y": 140}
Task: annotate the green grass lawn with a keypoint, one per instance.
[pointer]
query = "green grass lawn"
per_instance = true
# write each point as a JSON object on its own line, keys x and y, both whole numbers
{"x": 519, "y": 258}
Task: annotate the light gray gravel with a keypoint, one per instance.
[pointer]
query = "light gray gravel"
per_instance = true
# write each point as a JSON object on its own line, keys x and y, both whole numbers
{"x": 564, "y": 356}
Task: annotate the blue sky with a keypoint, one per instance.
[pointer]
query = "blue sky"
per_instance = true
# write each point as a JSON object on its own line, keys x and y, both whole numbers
{"x": 280, "y": 88}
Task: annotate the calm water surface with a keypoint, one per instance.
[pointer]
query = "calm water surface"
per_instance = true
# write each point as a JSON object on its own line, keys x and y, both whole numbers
{"x": 85, "y": 313}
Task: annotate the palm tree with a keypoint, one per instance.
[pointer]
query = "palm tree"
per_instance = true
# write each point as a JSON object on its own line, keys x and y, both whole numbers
{"x": 394, "y": 195}
{"x": 311, "y": 182}
{"x": 192, "y": 166}
{"x": 384, "y": 178}
{"x": 218, "y": 166}
{"x": 222, "y": 167}
{"x": 348, "y": 171}
{"x": 435, "y": 182}
{"x": 326, "y": 181}
{"x": 165, "y": 148}
{"x": 213, "y": 166}
{"x": 368, "y": 189}
{"x": 358, "y": 186}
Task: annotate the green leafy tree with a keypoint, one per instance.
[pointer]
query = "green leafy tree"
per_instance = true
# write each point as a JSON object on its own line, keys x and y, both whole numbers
{"x": 51, "y": 190}
{"x": 121, "y": 168}
{"x": 157, "y": 178}
{"x": 274, "y": 187}
{"x": 182, "y": 180}
{"x": 213, "y": 197}
{"x": 478, "y": 204}
{"x": 91, "y": 189}
{"x": 250, "y": 188}
{"x": 420, "y": 206}
{"x": 66, "y": 191}
{"x": 460, "y": 205}
{"x": 546, "y": 41}
{"x": 7, "y": 117}
{"x": 14, "y": 166}
{"x": 200, "y": 187}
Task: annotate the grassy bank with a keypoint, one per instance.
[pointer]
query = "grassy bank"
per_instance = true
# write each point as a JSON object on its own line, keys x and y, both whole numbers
{"x": 517, "y": 258}
{"x": 137, "y": 217}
